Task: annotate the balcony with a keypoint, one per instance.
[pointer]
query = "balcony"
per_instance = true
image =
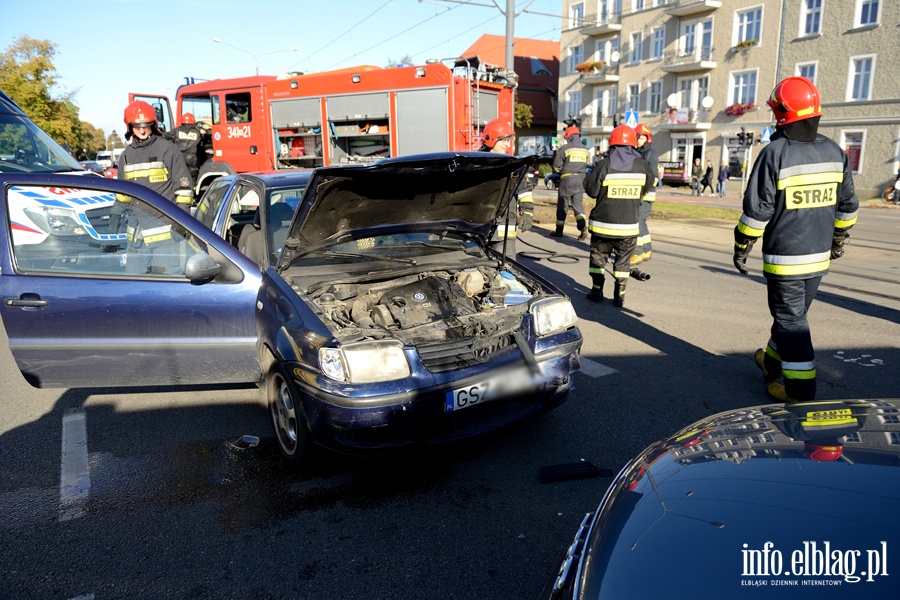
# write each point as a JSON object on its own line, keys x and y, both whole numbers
{"x": 598, "y": 125}
{"x": 606, "y": 75}
{"x": 687, "y": 62}
{"x": 602, "y": 25}
{"x": 687, "y": 120}
{"x": 687, "y": 8}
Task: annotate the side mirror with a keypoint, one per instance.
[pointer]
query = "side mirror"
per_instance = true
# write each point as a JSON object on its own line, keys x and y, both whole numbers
{"x": 201, "y": 267}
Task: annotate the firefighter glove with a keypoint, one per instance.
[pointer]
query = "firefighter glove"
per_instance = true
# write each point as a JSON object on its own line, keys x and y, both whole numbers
{"x": 741, "y": 252}
{"x": 837, "y": 243}
{"x": 525, "y": 221}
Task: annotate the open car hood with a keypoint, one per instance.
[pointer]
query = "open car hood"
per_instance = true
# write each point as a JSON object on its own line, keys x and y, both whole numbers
{"x": 463, "y": 192}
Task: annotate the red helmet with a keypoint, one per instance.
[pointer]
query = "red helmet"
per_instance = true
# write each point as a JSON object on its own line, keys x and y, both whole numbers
{"x": 569, "y": 132}
{"x": 642, "y": 129}
{"x": 188, "y": 118}
{"x": 623, "y": 135}
{"x": 795, "y": 99}
{"x": 139, "y": 112}
{"x": 497, "y": 129}
{"x": 824, "y": 453}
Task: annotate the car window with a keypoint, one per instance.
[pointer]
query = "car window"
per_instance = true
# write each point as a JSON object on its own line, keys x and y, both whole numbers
{"x": 280, "y": 205}
{"x": 74, "y": 231}
{"x": 211, "y": 200}
{"x": 24, "y": 148}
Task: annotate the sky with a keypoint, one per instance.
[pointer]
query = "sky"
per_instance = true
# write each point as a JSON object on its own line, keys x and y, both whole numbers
{"x": 108, "y": 48}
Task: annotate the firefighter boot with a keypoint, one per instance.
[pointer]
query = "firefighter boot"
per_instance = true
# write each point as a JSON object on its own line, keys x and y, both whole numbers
{"x": 619, "y": 296}
{"x": 596, "y": 293}
{"x": 582, "y": 227}
{"x": 760, "y": 359}
{"x": 776, "y": 391}
{"x": 557, "y": 233}
{"x": 635, "y": 259}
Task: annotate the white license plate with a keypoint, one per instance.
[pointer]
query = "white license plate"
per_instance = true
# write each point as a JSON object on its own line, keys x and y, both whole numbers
{"x": 510, "y": 382}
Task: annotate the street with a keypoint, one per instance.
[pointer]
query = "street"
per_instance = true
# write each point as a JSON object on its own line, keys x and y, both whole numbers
{"x": 173, "y": 504}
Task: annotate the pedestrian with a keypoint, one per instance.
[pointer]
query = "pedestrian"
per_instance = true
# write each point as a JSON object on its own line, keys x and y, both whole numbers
{"x": 618, "y": 183}
{"x": 192, "y": 141}
{"x": 696, "y": 173}
{"x": 706, "y": 180}
{"x": 152, "y": 160}
{"x": 497, "y": 137}
{"x": 645, "y": 148}
{"x": 800, "y": 199}
{"x": 724, "y": 174}
{"x": 571, "y": 162}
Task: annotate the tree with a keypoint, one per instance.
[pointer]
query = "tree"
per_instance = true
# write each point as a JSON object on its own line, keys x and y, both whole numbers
{"x": 523, "y": 115}
{"x": 28, "y": 76}
{"x": 405, "y": 60}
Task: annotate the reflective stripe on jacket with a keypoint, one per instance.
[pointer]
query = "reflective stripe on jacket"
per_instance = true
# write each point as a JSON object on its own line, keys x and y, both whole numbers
{"x": 618, "y": 195}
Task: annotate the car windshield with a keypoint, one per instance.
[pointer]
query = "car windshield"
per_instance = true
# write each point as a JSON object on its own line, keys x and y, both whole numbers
{"x": 24, "y": 148}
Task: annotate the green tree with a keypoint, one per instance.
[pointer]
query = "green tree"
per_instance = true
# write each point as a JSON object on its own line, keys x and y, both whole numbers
{"x": 404, "y": 60}
{"x": 28, "y": 76}
{"x": 523, "y": 115}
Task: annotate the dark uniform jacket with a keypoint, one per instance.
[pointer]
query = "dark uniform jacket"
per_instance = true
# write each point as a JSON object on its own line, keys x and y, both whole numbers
{"x": 524, "y": 205}
{"x": 618, "y": 194}
{"x": 191, "y": 141}
{"x": 157, "y": 164}
{"x": 798, "y": 195}
{"x": 571, "y": 162}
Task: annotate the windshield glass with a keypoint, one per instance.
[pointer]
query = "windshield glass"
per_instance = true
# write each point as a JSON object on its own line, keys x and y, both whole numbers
{"x": 24, "y": 148}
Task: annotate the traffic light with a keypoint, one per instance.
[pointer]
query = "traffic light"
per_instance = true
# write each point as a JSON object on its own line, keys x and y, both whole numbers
{"x": 749, "y": 138}
{"x": 742, "y": 136}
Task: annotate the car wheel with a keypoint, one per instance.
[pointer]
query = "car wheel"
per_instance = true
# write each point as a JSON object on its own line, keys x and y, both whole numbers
{"x": 288, "y": 418}
{"x": 549, "y": 183}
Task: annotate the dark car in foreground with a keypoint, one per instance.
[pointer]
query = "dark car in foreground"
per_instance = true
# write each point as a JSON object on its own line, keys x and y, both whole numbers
{"x": 785, "y": 500}
{"x": 386, "y": 322}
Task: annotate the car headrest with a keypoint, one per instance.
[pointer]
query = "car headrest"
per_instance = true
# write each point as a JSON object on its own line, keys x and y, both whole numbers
{"x": 281, "y": 213}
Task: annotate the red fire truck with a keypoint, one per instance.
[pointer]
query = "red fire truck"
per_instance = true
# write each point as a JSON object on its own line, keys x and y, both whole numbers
{"x": 354, "y": 115}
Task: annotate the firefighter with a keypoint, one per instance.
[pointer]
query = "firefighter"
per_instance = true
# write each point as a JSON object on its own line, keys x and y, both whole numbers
{"x": 152, "y": 160}
{"x": 571, "y": 162}
{"x": 618, "y": 182}
{"x": 192, "y": 141}
{"x": 498, "y": 137}
{"x": 645, "y": 148}
{"x": 800, "y": 199}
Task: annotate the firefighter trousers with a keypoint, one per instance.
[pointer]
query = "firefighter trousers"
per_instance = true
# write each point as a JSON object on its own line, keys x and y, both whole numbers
{"x": 643, "y": 241}
{"x": 789, "y": 351}
{"x": 570, "y": 194}
{"x": 601, "y": 248}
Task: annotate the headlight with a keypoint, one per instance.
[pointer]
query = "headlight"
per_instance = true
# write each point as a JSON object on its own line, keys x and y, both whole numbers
{"x": 553, "y": 315}
{"x": 365, "y": 362}
{"x": 55, "y": 221}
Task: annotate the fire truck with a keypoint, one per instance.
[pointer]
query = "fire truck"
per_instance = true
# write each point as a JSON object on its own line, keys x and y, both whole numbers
{"x": 355, "y": 115}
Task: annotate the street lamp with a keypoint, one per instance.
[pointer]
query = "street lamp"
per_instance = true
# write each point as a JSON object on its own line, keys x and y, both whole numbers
{"x": 256, "y": 57}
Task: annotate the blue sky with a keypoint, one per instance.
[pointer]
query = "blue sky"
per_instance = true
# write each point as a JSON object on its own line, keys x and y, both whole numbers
{"x": 107, "y": 48}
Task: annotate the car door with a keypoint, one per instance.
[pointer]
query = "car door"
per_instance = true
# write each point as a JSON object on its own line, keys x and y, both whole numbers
{"x": 101, "y": 287}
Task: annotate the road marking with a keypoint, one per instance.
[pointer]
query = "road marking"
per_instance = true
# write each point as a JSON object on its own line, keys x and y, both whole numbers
{"x": 595, "y": 369}
{"x": 84, "y": 597}
{"x": 74, "y": 478}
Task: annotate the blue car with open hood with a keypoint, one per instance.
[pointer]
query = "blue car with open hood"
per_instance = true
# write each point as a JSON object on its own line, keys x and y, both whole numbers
{"x": 386, "y": 322}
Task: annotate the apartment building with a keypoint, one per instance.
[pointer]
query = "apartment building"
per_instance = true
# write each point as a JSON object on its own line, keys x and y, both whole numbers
{"x": 698, "y": 73}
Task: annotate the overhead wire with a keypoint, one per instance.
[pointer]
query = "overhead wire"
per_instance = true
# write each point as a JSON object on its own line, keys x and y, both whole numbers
{"x": 336, "y": 38}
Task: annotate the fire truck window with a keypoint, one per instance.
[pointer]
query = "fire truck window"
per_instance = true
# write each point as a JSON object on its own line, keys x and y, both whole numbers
{"x": 237, "y": 108}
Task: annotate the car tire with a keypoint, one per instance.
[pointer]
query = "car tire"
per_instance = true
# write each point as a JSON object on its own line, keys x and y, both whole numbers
{"x": 549, "y": 183}
{"x": 289, "y": 419}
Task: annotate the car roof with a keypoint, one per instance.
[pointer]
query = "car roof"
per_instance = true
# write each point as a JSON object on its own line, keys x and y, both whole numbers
{"x": 278, "y": 179}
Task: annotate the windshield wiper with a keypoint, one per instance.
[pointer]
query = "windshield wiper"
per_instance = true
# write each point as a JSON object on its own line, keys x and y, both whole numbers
{"x": 337, "y": 254}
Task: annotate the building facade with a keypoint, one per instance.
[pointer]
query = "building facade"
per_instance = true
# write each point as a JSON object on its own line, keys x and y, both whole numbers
{"x": 699, "y": 72}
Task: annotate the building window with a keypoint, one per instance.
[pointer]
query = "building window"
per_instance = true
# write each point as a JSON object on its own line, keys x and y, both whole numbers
{"x": 688, "y": 38}
{"x": 601, "y": 51}
{"x": 638, "y": 5}
{"x": 748, "y": 25}
{"x": 634, "y": 96}
{"x": 811, "y": 17}
{"x": 807, "y": 70}
{"x": 655, "y": 104}
{"x": 573, "y": 105}
{"x": 867, "y": 13}
{"x": 889, "y": 419}
{"x": 743, "y": 87}
{"x": 894, "y": 438}
{"x": 637, "y": 46}
{"x": 576, "y": 15}
{"x": 575, "y": 57}
{"x": 860, "y": 85}
{"x": 852, "y": 142}
{"x": 659, "y": 42}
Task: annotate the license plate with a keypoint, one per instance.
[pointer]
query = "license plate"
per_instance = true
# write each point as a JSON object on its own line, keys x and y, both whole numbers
{"x": 496, "y": 387}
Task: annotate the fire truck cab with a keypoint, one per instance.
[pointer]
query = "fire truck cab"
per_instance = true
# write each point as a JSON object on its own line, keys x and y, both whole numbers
{"x": 355, "y": 115}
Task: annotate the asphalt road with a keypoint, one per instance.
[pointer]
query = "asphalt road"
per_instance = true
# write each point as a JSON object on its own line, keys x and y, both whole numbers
{"x": 173, "y": 507}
